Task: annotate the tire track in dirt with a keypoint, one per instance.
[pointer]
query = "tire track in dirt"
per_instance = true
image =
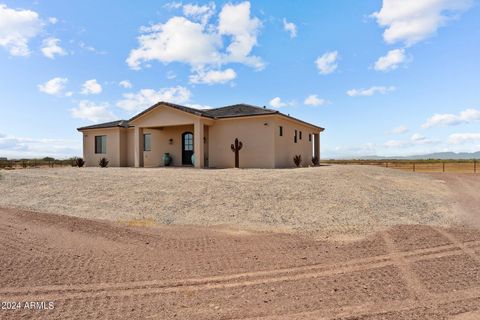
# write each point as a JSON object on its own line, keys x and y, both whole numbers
{"x": 372, "y": 309}
{"x": 413, "y": 283}
{"x": 60, "y": 292}
{"x": 459, "y": 244}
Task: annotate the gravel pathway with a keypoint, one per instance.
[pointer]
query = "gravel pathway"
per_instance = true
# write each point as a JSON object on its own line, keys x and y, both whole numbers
{"x": 340, "y": 201}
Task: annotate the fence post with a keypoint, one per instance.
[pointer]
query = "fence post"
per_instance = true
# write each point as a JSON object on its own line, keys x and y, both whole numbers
{"x": 386, "y": 164}
{"x": 443, "y": 166}
{"x": 414, "y": 167}
{"x": 474, "y": 166}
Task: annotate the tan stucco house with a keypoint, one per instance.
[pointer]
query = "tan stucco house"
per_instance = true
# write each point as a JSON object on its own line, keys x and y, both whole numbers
{"x": 270, "y": 139}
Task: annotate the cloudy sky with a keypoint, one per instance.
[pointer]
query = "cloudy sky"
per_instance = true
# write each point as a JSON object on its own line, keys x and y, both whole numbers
{"x": 384, "y": 77}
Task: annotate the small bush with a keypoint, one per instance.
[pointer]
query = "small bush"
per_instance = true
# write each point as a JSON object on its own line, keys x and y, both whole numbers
{"x": 103, "y": 162}
{"x": 315, "y": 160}
{"x": 297, "y": 160}
{"x": 79, "y": 162}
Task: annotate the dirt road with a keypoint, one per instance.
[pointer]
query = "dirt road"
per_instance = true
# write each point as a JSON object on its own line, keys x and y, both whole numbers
{"x": 465, "y": 195}
{"x": 98, "y": 269}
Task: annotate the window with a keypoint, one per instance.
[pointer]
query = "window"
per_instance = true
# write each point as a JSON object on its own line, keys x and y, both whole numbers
{"x": 147, "y": 142}
{"x": 309, "y": 137}
{"x": 101, "y": 144}
{"x": 280, "y": 131}
{"x": 300, "y": 135}
{"x": 188, "y": 141}
{"x": 295, "y": 137}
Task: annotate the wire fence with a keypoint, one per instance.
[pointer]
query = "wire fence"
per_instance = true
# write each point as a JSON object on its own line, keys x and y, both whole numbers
{"x": 459, "y": 166}
{"x": 35, "y": 163}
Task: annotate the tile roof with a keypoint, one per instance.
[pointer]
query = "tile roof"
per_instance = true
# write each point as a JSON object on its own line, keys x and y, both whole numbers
{"x": 112, "y": 124}
{"x": 232, "y": 111}
{"x": 238, "y": 110}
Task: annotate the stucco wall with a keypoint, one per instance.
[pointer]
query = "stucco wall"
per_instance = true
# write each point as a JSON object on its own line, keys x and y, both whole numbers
{"x": 160, "y": 145}
{"x": 262, "y": 145}
{"x": 113, "y": 146}
{"x": 286, "y": 148}
{"x": 257, "y": 138}
{"x": 163, "y": 117}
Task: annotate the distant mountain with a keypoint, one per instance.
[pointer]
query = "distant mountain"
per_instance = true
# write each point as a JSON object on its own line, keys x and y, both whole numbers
{"x": 437, "y": 155}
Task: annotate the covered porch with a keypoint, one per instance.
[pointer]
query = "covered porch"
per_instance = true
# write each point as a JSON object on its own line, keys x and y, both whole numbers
{"x": 172, "y": 131}
{"x": 181, "y": 142}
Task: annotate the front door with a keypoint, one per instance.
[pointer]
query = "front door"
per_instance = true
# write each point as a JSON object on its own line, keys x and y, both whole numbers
{"x": 187, "y": 148}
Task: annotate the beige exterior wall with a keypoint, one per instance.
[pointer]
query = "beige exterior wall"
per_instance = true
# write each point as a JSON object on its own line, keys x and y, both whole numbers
{"x": 257, "y": 139}
{"x": 286, "y": 148}
{"x": 115, "y": 143}
{"x": 263, "y": 147}
{"x": 161, "y": 144}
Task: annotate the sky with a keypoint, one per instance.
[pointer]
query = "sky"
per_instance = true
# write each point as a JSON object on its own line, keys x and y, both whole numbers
{"x": 383, "y": 77}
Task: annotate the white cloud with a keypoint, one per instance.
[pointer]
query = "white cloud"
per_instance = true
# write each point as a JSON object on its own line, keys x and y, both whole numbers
{"x": 460, "y": 138}
{"x": 213, "y": 76}
{"x": 391, "y": 61}
{"x": 327, "y": 63}
{"x": 93, "y": 112}
{"x": 147, "y": 97}
{"x": 21, "y": 147}
{"x": 200, "y": 45}
{"x": 415, "y": 140}
{"x": 199, "y": 106}
{"x": 416, "y": 137}
{"x": 411, "y": 21}
{"x": 91, "y": 87}
{"x": 447, "y": 119}
{"x": 51, "y": 47}
{"x": 314, "y": 100}
{"x": 17, "y": 28}
{"x": 370, "y": 91}
{"x": 125, "y": 84}
{"x": 53, "y": 86}
{"x": 399, "y": 130}
{"x": 199, "y": 13}
{"x": 173, "y": 5}
{"x": 52, "y": 20}
{"x": 278, "y": 103}
{"x": 178, "y": 40}
{"x": 235, "y": 22}
{"x": 91, "y": 49}
{"x": 290, "y": 27}
{"x": 171, "y": 75}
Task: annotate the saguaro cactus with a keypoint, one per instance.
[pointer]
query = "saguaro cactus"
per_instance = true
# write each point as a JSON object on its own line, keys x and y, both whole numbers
{"x": 236, "y": 147}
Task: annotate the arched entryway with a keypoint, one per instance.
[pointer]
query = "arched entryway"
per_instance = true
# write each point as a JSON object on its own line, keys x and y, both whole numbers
{"x": 187, "y": 148}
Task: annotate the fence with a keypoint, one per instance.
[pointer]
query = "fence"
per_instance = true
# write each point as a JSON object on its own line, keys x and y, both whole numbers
{"x": 35, "y": 163}
{"x": 460, "y": 166}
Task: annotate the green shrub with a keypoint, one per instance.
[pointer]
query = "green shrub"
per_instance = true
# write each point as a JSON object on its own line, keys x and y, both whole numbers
{"x": 297, "y": 160}
{"x": 79, "y": 162}
{"x": 103, "y": 162}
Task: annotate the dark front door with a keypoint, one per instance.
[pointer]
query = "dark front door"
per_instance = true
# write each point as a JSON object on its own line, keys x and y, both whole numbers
{"x": 187, "y": 147}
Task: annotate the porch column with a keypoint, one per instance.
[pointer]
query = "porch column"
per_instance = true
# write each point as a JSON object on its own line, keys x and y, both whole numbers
{"x": 198, "y": 146}
{"x": 138, "y": 147}
{"x": 316, "y": 145}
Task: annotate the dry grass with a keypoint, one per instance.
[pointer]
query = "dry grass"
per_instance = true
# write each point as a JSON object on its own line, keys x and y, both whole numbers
{"x": 326, "y": 201}
{"x": 448, "y": 166}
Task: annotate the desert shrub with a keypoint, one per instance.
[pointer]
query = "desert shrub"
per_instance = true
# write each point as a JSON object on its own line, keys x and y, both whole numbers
{"x": 103, "y": 162}
{"x": 315, "y": 160}
{"x": 297, "y": 160}
{"x": 79, "y": 162}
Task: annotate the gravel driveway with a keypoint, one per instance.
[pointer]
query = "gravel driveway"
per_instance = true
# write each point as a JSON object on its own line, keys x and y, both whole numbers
{"x": 340, "y": 201}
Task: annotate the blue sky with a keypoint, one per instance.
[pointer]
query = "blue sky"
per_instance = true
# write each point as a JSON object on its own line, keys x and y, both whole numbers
{"x": 383, "y": 77}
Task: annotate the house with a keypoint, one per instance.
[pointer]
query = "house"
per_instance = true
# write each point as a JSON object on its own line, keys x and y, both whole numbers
{"x": 270, "y": 138}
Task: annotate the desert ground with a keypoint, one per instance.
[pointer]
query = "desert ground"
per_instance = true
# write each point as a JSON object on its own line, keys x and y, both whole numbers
{"x": 335, "y": 242}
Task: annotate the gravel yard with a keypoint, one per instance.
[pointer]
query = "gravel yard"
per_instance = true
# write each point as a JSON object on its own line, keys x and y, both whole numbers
{"x": 328, "y": 201}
